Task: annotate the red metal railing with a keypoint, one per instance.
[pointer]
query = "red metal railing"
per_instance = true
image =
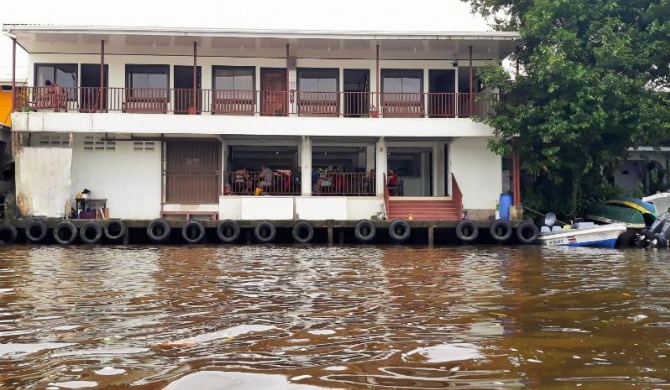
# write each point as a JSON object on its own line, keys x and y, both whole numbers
{"x": 386, "y": 197}
{"x": 285, "y": 182}
{"x": 251, "y": 102}
{"x": 457, "y": 195}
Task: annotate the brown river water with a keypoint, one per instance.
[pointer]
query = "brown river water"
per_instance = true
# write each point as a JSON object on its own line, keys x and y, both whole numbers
{"x": 346, "y": 317}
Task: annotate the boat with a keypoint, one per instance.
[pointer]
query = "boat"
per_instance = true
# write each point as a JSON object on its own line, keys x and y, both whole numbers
{"x": 660, "y": 201}
{"x": 607, "y": 213}
{"x": 584, "y": 234}
{"x": 638, "y": 204}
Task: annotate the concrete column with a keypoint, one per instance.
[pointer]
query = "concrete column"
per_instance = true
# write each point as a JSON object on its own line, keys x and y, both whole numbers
{"x": 380, "y": 165}
{"x": 306, "y": 166}
{"x": 224, "y": 164}
{"x": 370, "y": 157}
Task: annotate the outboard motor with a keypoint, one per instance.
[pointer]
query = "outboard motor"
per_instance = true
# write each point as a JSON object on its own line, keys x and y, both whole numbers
{"x": 655, "y": 235}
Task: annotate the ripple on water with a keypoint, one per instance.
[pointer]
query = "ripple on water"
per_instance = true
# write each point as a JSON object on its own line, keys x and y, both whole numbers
{"x": 216, "y": 380}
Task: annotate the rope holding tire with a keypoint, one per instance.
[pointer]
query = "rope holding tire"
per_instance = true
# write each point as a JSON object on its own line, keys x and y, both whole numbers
{"x": 265, "y": 232}
{"x": 501, "y": 230}
{"x": 65, "y": 233}
{"x": 467, "y": 231}
{"x": 193, "y": 232}
{"x": 228, "y": 231}
{"x": 527, "y": 232}
{"x": 158, "y": 230}
{"x": 115, "y": 229}
{"x": 365, "y": 230}
{"x": 299, "y": 228}
{"x": 36, "y": 231}
{"x": 8, "y": 233}
{"x": 90, "y": 233}
{"x": 399, "y": 230}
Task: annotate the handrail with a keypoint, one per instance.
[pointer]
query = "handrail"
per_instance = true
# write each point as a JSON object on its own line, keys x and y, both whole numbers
{"x": 252, "y": 102}
{"x": 386, "y": 197}
{"x": 457, "y": 196}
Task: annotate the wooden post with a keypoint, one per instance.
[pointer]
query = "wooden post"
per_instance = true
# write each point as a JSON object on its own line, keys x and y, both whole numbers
{"x": 378, "y": 104}
{"x": 471, "y": 97}
{"x": 14, "y": 98}
{"x": 431, "y": 235}
{"x": 102, "y": 76}
{"x": 195, "y": 78}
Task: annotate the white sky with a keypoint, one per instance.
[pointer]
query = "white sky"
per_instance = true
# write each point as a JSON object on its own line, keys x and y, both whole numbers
{"x": 370, "y": 15}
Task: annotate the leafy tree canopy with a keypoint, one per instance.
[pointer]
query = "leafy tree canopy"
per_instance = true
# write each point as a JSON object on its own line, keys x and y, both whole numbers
{"x": 594, "y": 81}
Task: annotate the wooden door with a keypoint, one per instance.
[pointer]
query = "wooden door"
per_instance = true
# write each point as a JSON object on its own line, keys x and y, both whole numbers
{"x": 274, "y": 93}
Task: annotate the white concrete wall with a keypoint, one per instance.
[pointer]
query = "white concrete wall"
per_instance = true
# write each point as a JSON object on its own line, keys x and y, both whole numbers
{"x": 43, "y": 181}
{"x": 116, "y": 122}
{"x": 478, "y": 172}
{"x": 129, "y": 179}
{"x": 306, "y": 208}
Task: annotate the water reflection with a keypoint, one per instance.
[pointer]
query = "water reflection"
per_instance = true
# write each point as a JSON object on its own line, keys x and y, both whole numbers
{"x": 333, "y": 317}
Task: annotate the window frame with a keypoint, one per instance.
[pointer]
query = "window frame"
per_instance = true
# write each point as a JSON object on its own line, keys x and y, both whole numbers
{"x": 129, "y": 71}
{"x": 402, "y": 74}
{"x": 215, "y": 90}
{"x": 333, "y": 71}
{"x": 70, "y": 96}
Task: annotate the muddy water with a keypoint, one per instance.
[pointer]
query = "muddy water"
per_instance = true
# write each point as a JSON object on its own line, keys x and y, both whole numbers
{"x": 264, "y": 317}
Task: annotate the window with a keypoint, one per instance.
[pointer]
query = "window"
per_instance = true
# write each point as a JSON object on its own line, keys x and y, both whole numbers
{"x": 234, "y": 82}
{"x": 65, "y": 75}
{"x": 404, "y": 85}
{"x": 318, "y": 84}
{"x": 148, "y": 81}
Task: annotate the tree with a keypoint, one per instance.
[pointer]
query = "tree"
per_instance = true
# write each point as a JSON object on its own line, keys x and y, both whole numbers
{"x": 594, "y": 81}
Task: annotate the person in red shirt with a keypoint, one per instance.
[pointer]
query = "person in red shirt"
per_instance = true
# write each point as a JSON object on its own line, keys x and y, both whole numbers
{"x": 393, "y": 178}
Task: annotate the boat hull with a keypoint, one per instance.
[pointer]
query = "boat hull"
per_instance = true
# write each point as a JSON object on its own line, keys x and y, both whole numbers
{"x": 598, "y": 236}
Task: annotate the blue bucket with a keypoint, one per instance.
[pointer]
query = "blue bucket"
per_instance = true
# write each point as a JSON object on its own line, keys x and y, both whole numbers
{"x": 504, "y": 206}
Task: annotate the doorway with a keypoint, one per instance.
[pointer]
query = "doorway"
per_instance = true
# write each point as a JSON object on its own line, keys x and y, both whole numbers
{"x": 442, "y": 88}
{"x": 90, "y": 95}
{"x": 183, "y": 90}
{"x": 274, "y": 100}
{"x": 356, "y": 92}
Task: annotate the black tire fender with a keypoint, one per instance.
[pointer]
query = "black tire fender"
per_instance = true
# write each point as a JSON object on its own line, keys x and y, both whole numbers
{"x": 36, "y": 230}
{"x": 158, "y": 230}
{"x": 85, "y": 231}
{"x": 222, "y": 229}
{"x": 362, "y": 227}
{"x": 263, "y": 226}
{"x": 299, "y": 228}
{"x": 403, "y": 226}
{"x": 115, "y": 229}
{"x": 524, "y": 229}
{"x": 65, "y": 233}
{"x": 199, "y": 229}
{"x": 464, "y": 227}
{"x": 8, "y": 232}
{"x": 506, "y": 228}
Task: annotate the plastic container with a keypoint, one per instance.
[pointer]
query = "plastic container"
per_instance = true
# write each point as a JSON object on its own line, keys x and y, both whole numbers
{"x": 505, "y": 204}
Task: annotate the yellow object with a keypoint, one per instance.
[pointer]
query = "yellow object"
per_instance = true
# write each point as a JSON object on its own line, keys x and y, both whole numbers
{"x": 567, "y": 227}
{"x": 410, "y": 217}
{"x": 258, "y": 191}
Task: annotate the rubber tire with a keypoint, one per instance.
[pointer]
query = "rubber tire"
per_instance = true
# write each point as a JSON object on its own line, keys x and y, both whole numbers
{"x": 298, "y": 228}
{"x": 98, "y": 233}
{"x": 359, "y": 233}
{"x": 36, "y": 223}
{"x": 158, "y": 222}
{"x": 65, "y": 225}
{"x": 115, "y": 223}
{"x": 460, "y": 228}
{"x": 506, "y": 226}
{"x": 187, "y": 226}
{"x": 11, "y": 229}
{"x": 396, "y": 223}
{"x": 520, "y": 232}
{"x": 222, "y": 226}
{"x": 259, "y": 228}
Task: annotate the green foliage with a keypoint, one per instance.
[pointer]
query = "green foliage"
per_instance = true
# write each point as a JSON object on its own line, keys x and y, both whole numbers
{"x": 592, "y": 81}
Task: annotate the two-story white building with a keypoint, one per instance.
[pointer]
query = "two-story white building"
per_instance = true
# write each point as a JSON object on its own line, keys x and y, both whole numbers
{"x": 161, "y": 121}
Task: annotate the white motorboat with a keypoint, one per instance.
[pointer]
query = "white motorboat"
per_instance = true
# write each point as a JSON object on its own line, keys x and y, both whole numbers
{"x": 584, "y": 234}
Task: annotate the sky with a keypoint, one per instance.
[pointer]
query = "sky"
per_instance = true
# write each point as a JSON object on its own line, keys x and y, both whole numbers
{"x": 358, "y": 15}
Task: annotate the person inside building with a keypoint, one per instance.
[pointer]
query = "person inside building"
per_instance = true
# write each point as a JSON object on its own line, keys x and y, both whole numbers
{"x": 266, "y": 177}
{"x": 52, "y": 97}
{"x": 241, "y": 181}
{"x": 393, "y": 182}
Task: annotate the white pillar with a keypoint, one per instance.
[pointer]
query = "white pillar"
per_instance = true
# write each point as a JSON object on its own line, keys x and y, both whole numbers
{"x": 438, "y": 170}
{"x": 370, "y": 157}
{"x": 224, "y": 163}
{"x": 380, "y": 166}
{"x": 306, "y": 166}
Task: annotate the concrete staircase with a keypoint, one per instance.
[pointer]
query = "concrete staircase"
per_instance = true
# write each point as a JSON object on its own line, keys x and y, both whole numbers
{"x": 423, "y": 209}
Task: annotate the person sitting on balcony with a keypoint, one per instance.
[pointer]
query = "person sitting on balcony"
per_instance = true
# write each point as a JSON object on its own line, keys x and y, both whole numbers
{"x": 369, "y": 182}
{"x": 53, "y": 96}
{"x": 241, "y": 180}
{"x": 266, "y": 176}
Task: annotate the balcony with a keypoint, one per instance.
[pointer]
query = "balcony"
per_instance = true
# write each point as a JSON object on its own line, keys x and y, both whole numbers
{"x": 253, "y": 102}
